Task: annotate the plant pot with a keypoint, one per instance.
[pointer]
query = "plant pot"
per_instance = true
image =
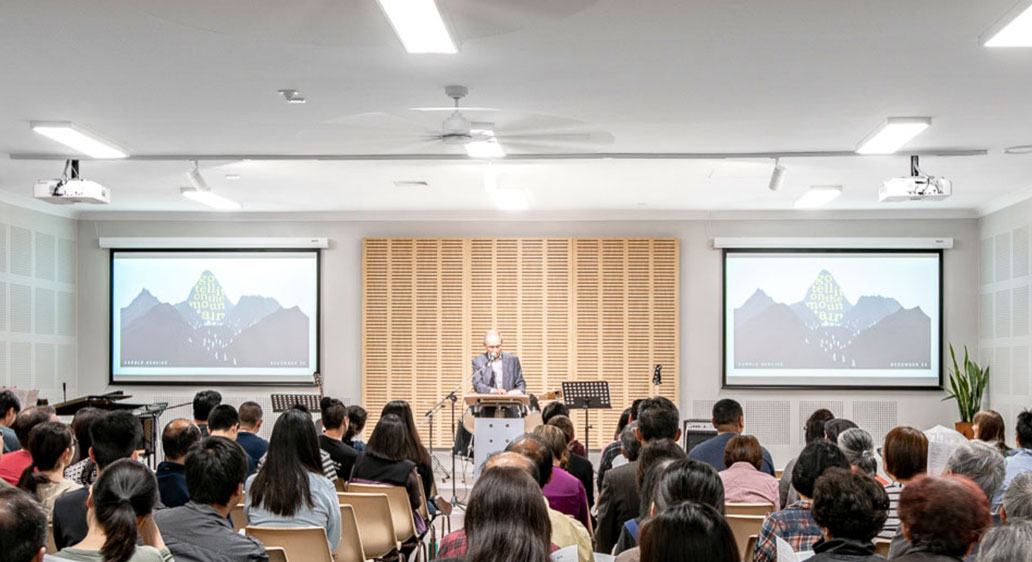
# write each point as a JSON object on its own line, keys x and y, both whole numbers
{"x": 965, "y": 428}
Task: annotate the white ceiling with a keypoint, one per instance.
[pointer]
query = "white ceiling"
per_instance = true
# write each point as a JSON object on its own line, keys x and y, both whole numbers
{"x": 193, "y": 77}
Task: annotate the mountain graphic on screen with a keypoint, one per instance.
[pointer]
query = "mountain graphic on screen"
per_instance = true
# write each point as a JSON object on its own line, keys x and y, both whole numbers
{"x": 827, "y": 331}
{"x": 209, "y": 330}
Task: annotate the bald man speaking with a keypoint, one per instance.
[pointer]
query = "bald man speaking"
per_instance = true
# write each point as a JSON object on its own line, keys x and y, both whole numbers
{"x": 495, "y": 372}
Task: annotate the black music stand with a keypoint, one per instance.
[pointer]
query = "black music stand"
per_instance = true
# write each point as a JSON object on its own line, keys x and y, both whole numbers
{"x": 284, "y": 402}
{"x": 586, "y": 395}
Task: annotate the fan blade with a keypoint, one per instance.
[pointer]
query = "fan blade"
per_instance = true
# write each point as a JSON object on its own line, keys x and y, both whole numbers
{"x": 452, "y": 108}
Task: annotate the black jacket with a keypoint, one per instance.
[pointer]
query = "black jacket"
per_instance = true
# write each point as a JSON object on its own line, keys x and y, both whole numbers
{"x": 618, "y": 501}
{"x": 581, "y": 468}
{"x": 844, "y": 550}
{"x": 70, "y": 518}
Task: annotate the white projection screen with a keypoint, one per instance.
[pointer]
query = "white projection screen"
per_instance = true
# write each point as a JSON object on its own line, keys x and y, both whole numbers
{"x": 214, "y": 316}
{"x": 833, "y": 319}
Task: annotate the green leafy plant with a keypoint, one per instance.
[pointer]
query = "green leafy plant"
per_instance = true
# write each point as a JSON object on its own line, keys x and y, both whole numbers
{"x": 967, "y": 385}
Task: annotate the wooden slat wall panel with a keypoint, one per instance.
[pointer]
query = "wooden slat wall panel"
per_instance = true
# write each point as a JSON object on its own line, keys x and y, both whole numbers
{"x": 571, "y": 308}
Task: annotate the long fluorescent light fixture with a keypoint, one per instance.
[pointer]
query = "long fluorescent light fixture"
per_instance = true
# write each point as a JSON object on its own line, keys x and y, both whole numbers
{"x": 210, "y": 198}
{"x": 419, "y": 25}
{"x": 895, "y": 133}
{"x": 78, "y": 139}
{"x": 489, "y": 148}
{"x": 1014, "y": 29}
{"x": 818, "y": 196}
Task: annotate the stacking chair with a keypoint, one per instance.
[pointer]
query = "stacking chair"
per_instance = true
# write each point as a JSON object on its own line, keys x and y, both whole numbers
{"x": 881, "y": 547}
{"x": 750, "y": 549}
{"x": 276, "y": 554}
{"x": 51, "y": 545}
{"x": 304, "y": 544}
{"x": 350, "y": 549}
{"x": 743, "y": 527}
{"x": 341, "y": 484}
{"x": 238, "y": 517}
{"x": 748, "y": 508}
{"x": 401, "y": 508}
{"x": 375, "y": 523}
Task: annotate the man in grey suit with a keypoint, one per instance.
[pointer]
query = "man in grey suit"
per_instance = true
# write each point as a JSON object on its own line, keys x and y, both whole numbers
{"x": 495, "y": 372}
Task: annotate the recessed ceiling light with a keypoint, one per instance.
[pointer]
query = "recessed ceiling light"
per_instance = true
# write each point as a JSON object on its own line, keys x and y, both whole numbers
{"x": 79, "y": 139}
{"x": 508, "y": 199}
{"x": 419, "y": 25}
{"x": 232, "y": 177}
{"x": 1020, "y": 149}
{"x": 893, "y": 134}
{"x": 293, "y": 96}
{"x": 1014, "y": 29}
{"x": 818, "y": 196}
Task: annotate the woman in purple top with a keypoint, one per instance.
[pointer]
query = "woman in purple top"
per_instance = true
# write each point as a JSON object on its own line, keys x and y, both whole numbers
{"x": 564, "y": 492}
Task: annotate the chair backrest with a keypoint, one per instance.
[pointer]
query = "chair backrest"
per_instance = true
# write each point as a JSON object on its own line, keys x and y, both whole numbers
{"x": 307, "y": 544}
{"x": 743, "y": 527}
{"x": 881, "y": 547}
{"x": 375, "y": 523}
{"x": 51, "y": 545}
{"x": 750, "y": 548}
{"x": 748, "y": 508}
{"x": 350, "y": 549}
{"x": 401, "y": 507}
{"x": 276, "y": 554}
{"x": 341, "y": 484}
{"x": 238, "y": 517}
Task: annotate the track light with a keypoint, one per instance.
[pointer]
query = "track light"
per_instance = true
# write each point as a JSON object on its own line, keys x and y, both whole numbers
{"x": 777, "y": 176}
{"x": 79, "y": 139}
{"x": 201, "y": 193}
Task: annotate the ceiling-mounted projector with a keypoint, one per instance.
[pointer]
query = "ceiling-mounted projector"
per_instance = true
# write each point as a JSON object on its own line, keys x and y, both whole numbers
{"x": 915, "y": 187}
{"x": 70, "y": 188}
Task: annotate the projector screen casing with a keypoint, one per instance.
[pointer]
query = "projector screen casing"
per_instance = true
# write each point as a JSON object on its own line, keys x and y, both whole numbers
{"x": 936, "y": 349}
{"x": 221, "y": 380}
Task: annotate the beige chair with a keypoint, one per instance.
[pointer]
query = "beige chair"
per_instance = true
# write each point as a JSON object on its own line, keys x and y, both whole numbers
{"x": 779, "y": 473}
{"x": 375, "y": 523}
{"x": 238, "y": 517}
{"x": 276, "y": 554}
{"x": 305, "y": 544}
{"x": 51, "y": 545}
{"x": 743, "y": 527}
{"x": 341, "y": 484}
{"x": 748, "y": 508}
{"x": 881, "y": 547}
{"x": 401, "y": 507}
{"x": 350, "y": 549}
{"x": 750, "y": 549}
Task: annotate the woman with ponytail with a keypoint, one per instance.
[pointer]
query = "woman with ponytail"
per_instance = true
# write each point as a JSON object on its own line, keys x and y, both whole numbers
{"x": 50, "y": 444}
{"x": 121, "y": 506}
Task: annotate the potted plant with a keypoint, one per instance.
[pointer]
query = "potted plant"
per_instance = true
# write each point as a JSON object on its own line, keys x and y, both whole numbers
{"x": 967, "y": 385}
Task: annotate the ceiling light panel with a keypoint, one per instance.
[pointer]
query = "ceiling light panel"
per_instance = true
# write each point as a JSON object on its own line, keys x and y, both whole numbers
{"x": 1014, "y": 29}
{"x": 210, "y": 199}
{"x": 489, "y": 148}
{"x": 818, "y": 196}
{"x": 893, "y": 135}
{"x": 78, "y": 139}
{"x": 292, "y": 96}
{"x": 419, "y": 26}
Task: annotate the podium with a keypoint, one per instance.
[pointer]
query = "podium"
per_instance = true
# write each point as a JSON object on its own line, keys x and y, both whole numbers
{"x": 493, "y": 434}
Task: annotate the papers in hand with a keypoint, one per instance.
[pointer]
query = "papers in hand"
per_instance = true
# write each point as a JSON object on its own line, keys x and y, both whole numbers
{"x": 565, "y": 554}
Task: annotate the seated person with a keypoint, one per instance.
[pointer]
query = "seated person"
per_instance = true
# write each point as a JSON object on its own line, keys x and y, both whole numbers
{"x": 356, "y": 424}
{"x": 9, "y": 408}
{"x": 980, "y": 462}
{"x": 729, "y": 420}
{"x": 120, "y": 505}
{"x": 289, "y": 489}
{"x": 1006, "y": 543}
{"x": 564, "y": 492}
{"x": 50, "y": 444}
{"x": 83, "y": 470}
{"x": 203, "y": 402}
{"x": 247, "y": 436}
{"x": 23, "y": 526}
{"x": 558, "y": 409}
{"x": 812, "y": 431}
{"x": 611, "y": 451}
{"x": 577, "y": 464}
{"x": 200, "y": 531}
{"x": 905, "y": 456}
{"x": 688, "y": 531}
{"x": 942, "y": 518}
{"x": 224, "y": 421}
{"x": 384, "y": 462}
{"x": 329, "y": 468}
{"x": 13, "y": 464}
{"x": 654, "y": 457}
{"x": 335, "y": 425}
{"x": 795, "y": 524}
{"x": 744, "y": 482}
{"x": 176, "y": 439}
{"x": 1017, "y": 500}
{"x": 851, "y": 509}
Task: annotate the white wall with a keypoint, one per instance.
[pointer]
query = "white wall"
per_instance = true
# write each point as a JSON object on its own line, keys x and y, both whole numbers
{"x": 37, "y": 301}
{"x": 1004, "y": 311}
{"x": 776, "y": 417}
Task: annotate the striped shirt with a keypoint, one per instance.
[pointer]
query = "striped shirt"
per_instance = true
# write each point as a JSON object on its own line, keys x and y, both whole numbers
{"x": 893, "y": 489}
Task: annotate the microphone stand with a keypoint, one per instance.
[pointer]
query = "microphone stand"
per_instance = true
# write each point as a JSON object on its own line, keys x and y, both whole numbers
{"x": 430, "y": 419}
{"x": 454, "y": 495}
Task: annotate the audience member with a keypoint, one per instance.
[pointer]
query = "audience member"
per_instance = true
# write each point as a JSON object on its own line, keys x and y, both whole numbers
{"x": 1007, "y": 543}
{"x": 289, "y": 488}
{"x": 9, "y": 408}
{"x": 577, "y": 463}
{"x": 795, "y": 523}
{"x": 834, "y": 427}
{"x": 630, "y": 447}
{"x": 414, "y": 449}
{"x": 630, "y": 532}
{"x": 981, "y": 463}
{"x": 83, "y": 470}
{"x": 50, "y": 444}
{"x": 851, "y": 509}
{"x": 743, "y": 480}
{"x": 247, "y": 435}
{"x": 203, "y": 403}
{"x": 618, "y": 500}
{"x": 729, "y": 419}
{"x": 565, "y": 530}
{"x": 13, "y": 464}
{"x": 988, "y": 426}
{"x": 1020, "y": 459}
{"x": 176, "y": 439}
{"x": 905, "y": 455}
{"x": 329, "y": 468}
{"x": 612, "y": 451}
{"x": 199, "y": 531}
{"x": 1017, "y": 500}
{"x": 942, "y": 518}
{"x": 120, "y": 515}
{"x": 553, "y": 409}
{"x": 858, "y": 446}
{"x": 23, "y": 527}
{"x": 335, "y": 425}
{"x": 356, "y": 424}
{"x": 115, "y": 435}
{"x": 506, "y": 521}
{"x": 385, "y": 461}
{"x": 224, "y": 421}
{"x": 688, "y": 532}
{"x": 812, "y": 431}
{"x": 563, "y": 491}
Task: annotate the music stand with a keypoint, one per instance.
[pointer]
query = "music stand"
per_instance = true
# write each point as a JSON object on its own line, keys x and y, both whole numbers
{"x": 284, "y": 402}
{"x": 586, "y": 395}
